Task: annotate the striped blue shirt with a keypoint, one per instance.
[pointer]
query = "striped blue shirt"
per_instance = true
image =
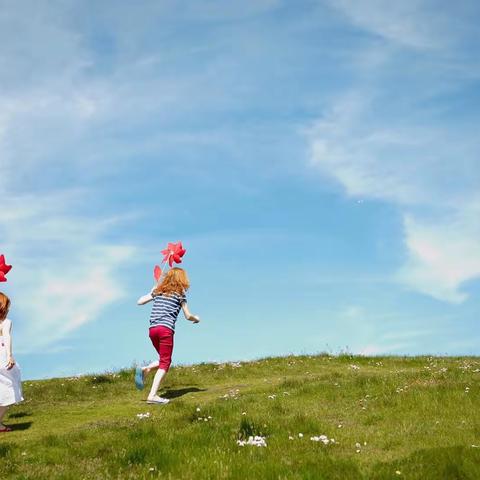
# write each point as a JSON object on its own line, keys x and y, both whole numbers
{"x": 165, "y": 309}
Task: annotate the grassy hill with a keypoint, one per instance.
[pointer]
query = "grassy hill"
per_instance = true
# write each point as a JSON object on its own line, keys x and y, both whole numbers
{"x": 411, "y": 418}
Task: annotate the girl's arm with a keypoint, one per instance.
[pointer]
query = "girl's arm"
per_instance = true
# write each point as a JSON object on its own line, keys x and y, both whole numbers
{"x": 7, "y": 338}
{"x": 145, "y": 299}
{"x": 188, "y": 315}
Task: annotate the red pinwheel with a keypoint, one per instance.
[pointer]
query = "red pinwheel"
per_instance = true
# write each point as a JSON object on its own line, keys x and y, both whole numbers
{"x": 173, "y": 253}
{"x": 157, "y": 273}
{"x": 4, "y": 269}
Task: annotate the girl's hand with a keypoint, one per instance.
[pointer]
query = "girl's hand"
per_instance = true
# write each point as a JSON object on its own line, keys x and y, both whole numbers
{"x": 10, "y": 363}
{"x": 195, "y": 319}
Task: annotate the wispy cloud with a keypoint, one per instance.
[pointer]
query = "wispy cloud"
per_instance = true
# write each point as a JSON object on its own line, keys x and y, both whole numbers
{"x": 65, "y": 272}
{"x": 378, "y": 349}
{"x": 111, "y": 112}
{"x": 376, "y": 142}
{"x": 391, "y": 156}
{"x": 75, "y": 110}
{"x": 443, "y": 255}
{"x": 67, "y": 298}
{"x": 413, "y": 23}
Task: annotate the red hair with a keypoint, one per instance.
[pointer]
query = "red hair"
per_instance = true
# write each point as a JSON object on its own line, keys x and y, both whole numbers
{"x": 4, "y": 306}
{"x": 175, "y": 281}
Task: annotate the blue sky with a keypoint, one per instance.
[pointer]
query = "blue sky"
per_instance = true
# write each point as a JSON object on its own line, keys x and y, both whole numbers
{"x": 318, "y": 159}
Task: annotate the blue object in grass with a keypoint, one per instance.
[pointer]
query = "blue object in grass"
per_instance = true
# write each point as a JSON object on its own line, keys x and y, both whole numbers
{"x": 139, "y": 378}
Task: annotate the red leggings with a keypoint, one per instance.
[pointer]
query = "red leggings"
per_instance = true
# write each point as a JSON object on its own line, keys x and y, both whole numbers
{"x": 162, "y": 340}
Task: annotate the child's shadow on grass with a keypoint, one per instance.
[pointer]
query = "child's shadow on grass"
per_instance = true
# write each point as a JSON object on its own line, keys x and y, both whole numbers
{"x": 19, "y": 415}
{"x": 21, "y": 426}
{"x": 182, "y": 391}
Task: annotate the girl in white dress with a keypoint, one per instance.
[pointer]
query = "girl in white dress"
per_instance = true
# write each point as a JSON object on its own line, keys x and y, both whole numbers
{"x": 10, "y": 382}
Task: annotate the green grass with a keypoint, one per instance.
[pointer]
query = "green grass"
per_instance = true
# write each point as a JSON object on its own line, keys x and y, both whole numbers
{"x": 409, "y": 415}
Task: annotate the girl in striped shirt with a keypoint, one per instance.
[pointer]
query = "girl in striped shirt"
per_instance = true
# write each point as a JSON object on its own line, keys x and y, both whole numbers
{"x": 168, "y": 299}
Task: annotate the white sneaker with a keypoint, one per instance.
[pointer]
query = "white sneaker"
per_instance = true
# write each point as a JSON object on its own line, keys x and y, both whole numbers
{"x": 158, "y": 400}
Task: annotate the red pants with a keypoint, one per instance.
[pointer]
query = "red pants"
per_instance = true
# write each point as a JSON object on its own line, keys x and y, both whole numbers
{"x": 162, "y": 340}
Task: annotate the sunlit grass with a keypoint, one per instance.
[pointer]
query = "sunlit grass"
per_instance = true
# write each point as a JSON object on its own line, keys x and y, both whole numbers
{"x": 414, "y": 418}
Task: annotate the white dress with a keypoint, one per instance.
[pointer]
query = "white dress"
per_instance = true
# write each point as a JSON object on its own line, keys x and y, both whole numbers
{"x": 10, "y": 381}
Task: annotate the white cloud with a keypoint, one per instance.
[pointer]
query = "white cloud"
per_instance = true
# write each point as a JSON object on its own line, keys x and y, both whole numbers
{"x": 408, "y": 334}
{"x": 61, "y": 109}
{"x": 443, "y": 255}
{"x": 369, "y": 331}
{"x": 420, "y": 170}
{"x": 377, "y": 349}
{"x": 58, "y": 301}
{"x": 64, "y": 273}
{"x": 392, "y": 158}
{"x": 69, "y": 111}
{"x": 411, "y": 23}
{"x": 391, "y": 137}
{"x": 353, "y": 312}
